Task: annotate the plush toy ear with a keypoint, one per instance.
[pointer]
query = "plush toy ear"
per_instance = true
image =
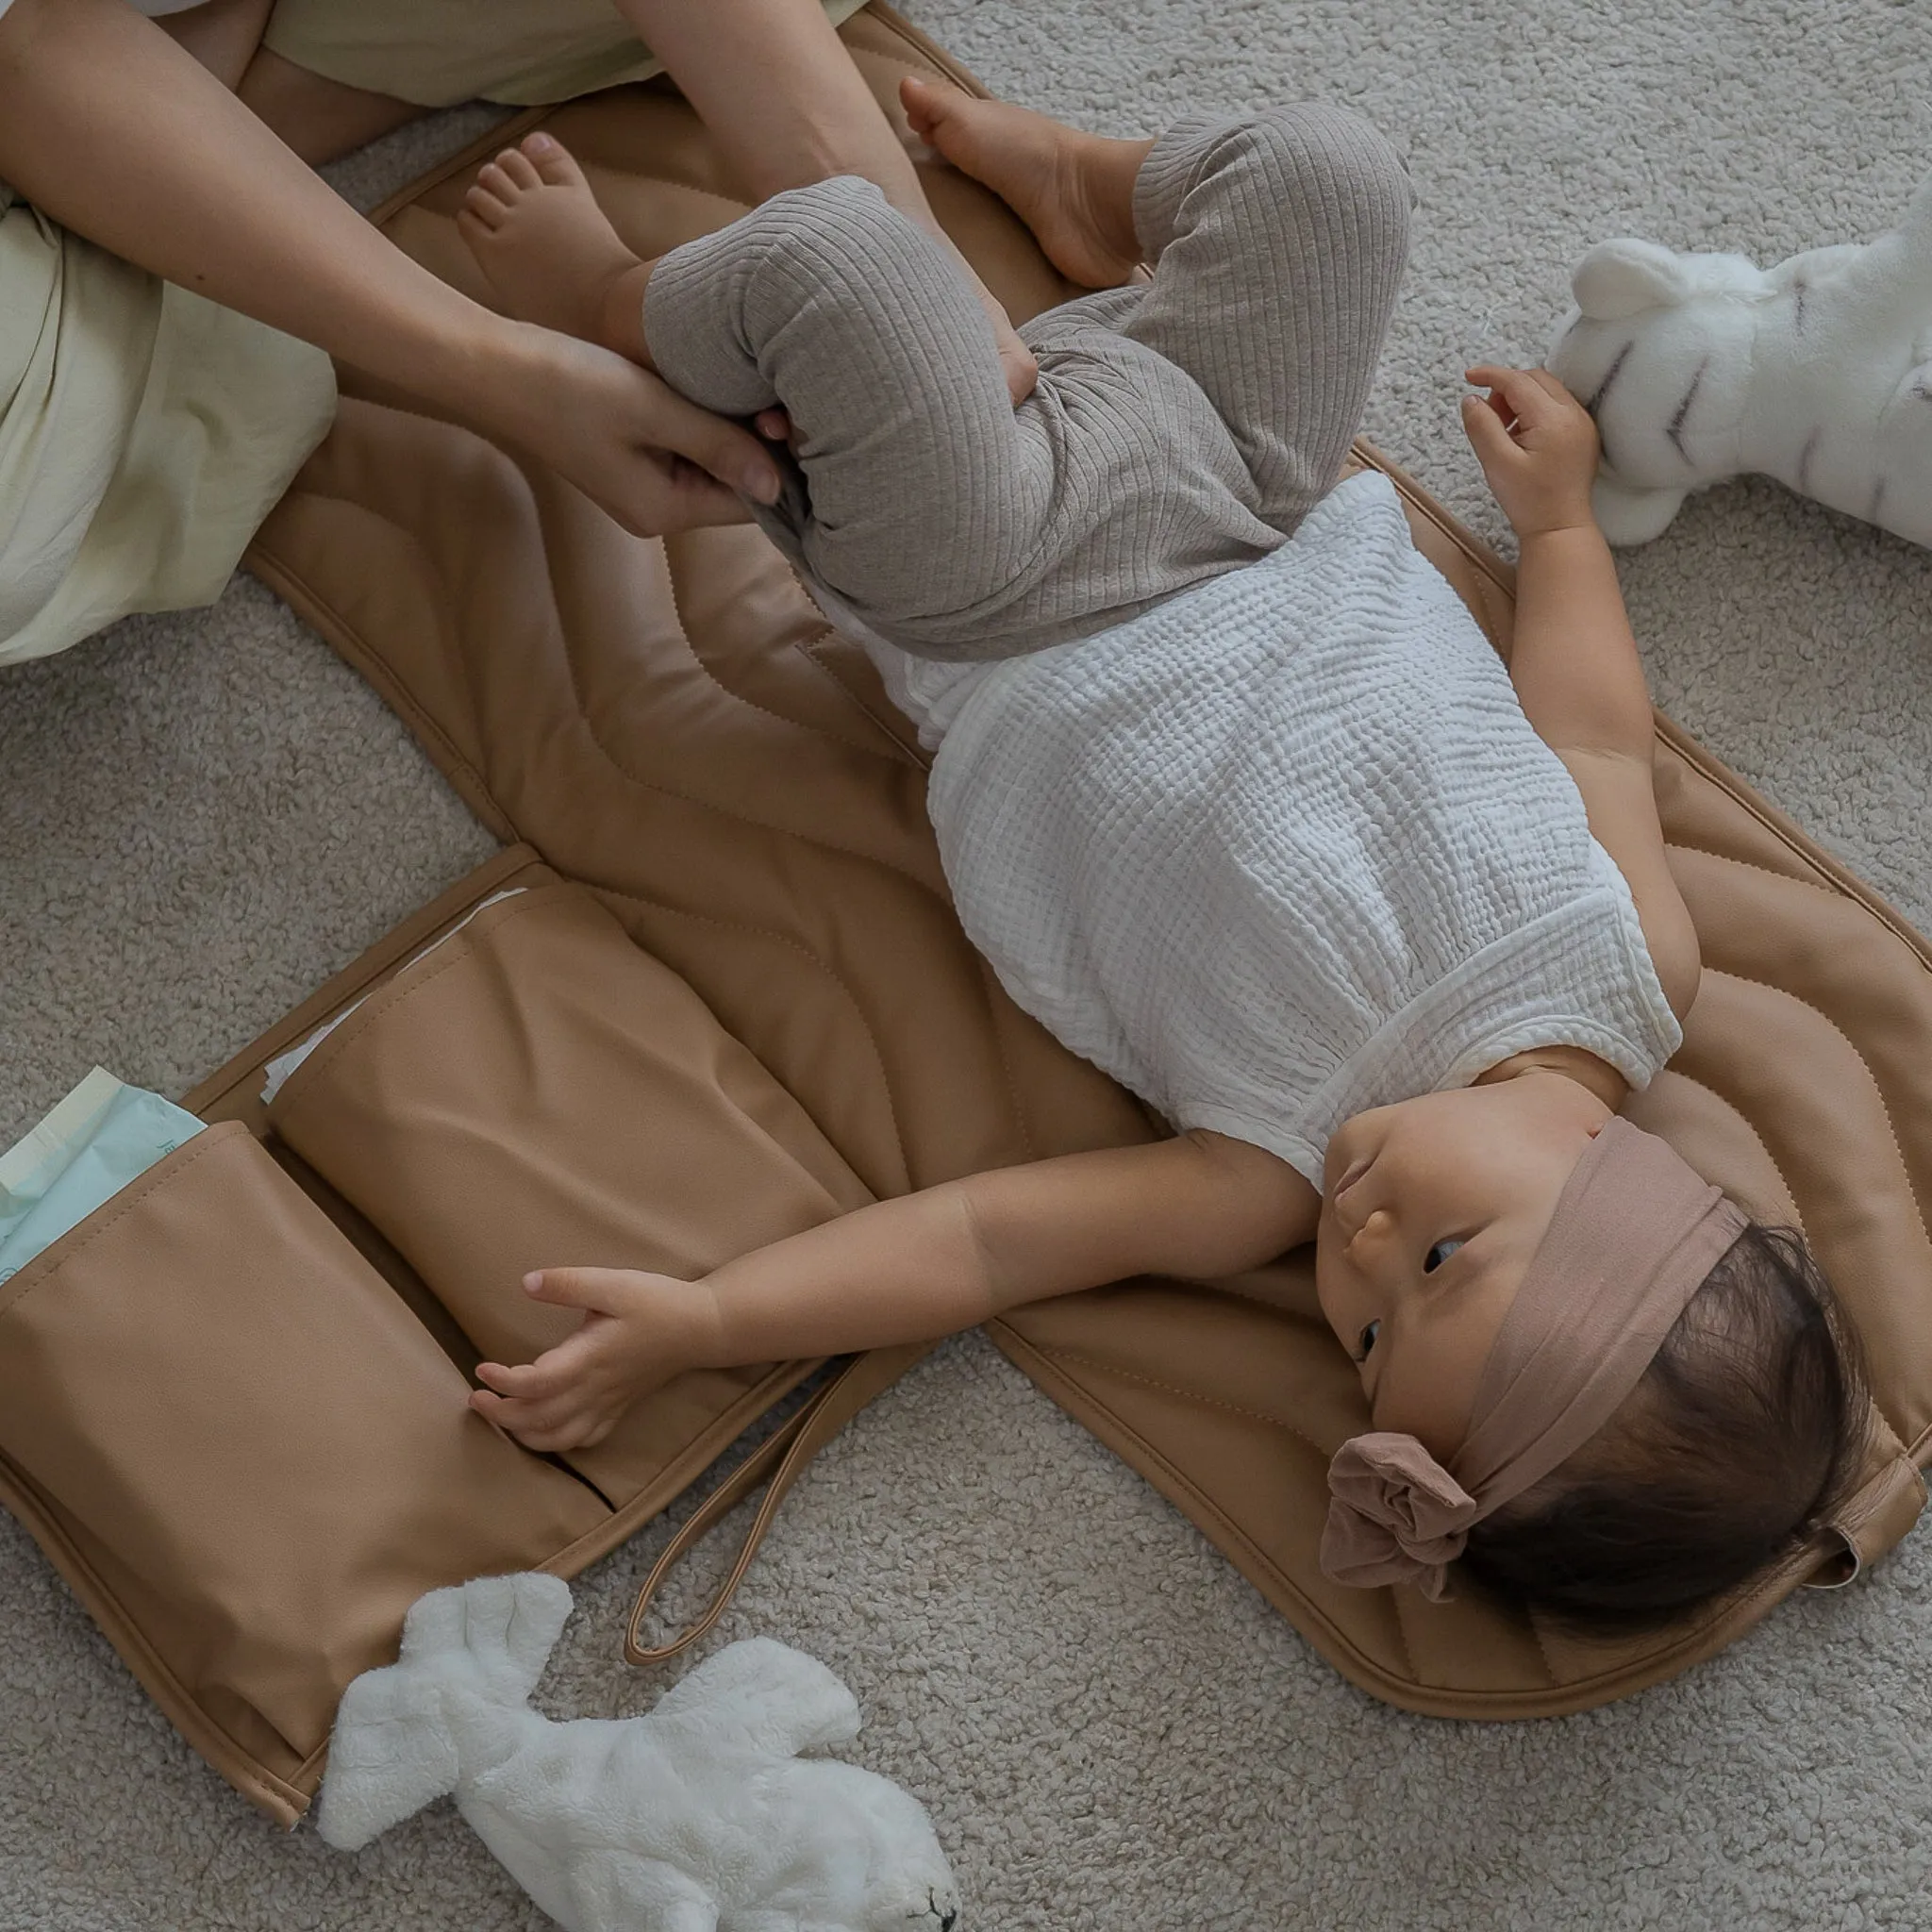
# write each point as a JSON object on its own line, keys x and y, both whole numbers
{"x": 1621, "y": 277}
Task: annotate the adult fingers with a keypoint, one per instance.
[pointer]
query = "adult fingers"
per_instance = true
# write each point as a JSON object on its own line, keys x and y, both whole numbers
{"x": 1019, "y": 367}
{"x": 689, "y": 499}
{"x": 724, "y": 449}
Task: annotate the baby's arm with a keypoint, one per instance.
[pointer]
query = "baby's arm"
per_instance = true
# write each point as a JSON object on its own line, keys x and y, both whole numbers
{"x": 1574, "y": 660}
{"x": 923, "y": 1265}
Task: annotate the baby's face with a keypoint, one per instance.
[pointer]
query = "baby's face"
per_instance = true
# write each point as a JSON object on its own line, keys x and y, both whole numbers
{"x": 1431, "y": 1212}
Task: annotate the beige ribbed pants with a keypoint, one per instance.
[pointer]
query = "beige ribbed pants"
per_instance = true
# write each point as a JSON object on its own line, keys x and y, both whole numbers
{"x": 1181, "y": 428}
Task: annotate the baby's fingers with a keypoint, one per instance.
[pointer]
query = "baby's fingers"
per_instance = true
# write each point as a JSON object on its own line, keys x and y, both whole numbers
{"x": 1483, "y": 423}
{"x": 1515, "y": 396}
{"x": 544, "y": 1426}
{"x": 566, "y": 1366}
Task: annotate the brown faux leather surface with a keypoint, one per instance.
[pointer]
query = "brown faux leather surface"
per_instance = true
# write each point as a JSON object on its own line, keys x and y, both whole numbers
{"x": 269, "y": 1457}
{"x": 751, "y": 992}
{"x": 538, "y": 1090}
{"x": 671, "y": 724}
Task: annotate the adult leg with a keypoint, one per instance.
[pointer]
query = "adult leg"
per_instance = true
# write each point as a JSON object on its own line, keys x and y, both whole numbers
{"x": 321, "y": 119}
{"x": 221, "y": 34}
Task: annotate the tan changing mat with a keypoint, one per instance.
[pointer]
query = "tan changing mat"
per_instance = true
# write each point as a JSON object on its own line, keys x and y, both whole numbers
{"x": 672, "y": 723}
{"x": 730, "y": 998}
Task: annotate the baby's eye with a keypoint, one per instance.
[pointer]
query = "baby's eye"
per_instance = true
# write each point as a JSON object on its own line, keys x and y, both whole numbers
{"x": 1438, "y": 1254}
{"x": 1367, "y": 1341}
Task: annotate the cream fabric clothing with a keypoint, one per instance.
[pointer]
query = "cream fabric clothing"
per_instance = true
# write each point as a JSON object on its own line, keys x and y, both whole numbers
{"x": 152, "y": 8}
{"x": 144, "y": 433}
{"x": 1285, "y": 846}
{"x": 523, "y": 53}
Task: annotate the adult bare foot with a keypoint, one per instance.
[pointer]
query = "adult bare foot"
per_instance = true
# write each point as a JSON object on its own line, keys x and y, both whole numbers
{"x": 1075, "y": 191}
{"x": 549, "y": 251}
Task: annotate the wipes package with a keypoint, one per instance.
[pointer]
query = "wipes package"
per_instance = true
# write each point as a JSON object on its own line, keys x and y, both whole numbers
{"x": 82, "y": 1155}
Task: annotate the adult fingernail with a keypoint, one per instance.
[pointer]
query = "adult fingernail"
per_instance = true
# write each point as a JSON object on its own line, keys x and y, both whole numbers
{"x": 532, "y": 1283}
{"x": 759, "y": 482}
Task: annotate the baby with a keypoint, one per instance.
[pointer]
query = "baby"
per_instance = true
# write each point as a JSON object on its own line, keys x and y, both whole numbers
{"x": 1241, "y": 804}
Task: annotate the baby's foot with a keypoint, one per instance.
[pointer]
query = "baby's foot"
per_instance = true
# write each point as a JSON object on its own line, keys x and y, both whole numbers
{"x": 1048, "y": 173}
{"x": 549, "y": 251}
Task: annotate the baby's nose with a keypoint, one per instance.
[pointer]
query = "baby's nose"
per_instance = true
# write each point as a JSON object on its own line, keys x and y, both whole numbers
{"x": 1372, "y": 1233}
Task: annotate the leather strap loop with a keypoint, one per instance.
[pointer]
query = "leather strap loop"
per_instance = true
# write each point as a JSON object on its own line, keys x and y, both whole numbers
{"x": 778, "y": 1463}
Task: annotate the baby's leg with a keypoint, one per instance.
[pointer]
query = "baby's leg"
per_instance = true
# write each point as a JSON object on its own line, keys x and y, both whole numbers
{"x": 1280, "y": 242}
{"x": 925, "y": 493}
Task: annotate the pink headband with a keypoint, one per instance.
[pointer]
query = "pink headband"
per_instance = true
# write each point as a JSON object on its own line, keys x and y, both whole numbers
{"x": 1635, "y": 1233}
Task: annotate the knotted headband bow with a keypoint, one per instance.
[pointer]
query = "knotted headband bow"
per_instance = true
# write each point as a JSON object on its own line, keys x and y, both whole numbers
{"x": 1634, "y": 1235}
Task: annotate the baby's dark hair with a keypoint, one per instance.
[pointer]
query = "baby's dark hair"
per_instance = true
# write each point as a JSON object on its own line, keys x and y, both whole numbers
{"x": 1743, "y": 1438}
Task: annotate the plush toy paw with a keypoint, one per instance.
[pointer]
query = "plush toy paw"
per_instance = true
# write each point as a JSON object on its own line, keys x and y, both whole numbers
{"x": 1627, "y": 516}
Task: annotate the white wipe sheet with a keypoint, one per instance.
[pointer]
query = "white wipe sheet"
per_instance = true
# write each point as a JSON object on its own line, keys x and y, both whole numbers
{"x": 284, "y": 1064}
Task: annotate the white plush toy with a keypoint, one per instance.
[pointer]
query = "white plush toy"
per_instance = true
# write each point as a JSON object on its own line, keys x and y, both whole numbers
{"x": 1817, "y": 372}
{"x": 697, "y": 1818}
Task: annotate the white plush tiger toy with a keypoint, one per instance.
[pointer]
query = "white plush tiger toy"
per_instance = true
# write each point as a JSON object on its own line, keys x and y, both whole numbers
{"x": 1817, "y": 372}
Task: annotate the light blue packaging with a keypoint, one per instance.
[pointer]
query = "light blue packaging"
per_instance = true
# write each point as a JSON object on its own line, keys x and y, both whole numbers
{"x": 80, "y": 1157}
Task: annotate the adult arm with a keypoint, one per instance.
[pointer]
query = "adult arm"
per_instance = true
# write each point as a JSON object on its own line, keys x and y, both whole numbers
{"x": 118, "y": 134}
{"x": 774, "y": 86}
{"x": 1573, "y": 660}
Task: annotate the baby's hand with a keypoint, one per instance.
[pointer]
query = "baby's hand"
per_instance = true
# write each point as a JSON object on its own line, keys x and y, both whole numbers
{"x": 1537, "y": 445}
{"x": 637, "y": 1332}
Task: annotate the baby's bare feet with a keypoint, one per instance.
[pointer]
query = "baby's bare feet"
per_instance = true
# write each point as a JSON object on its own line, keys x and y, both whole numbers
{"x": 549, "y": 251}
{"x": 1073, "y": 189}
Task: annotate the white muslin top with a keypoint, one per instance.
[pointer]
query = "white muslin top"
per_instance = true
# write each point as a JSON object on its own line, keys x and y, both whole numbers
{"x": 1283, "y": 848}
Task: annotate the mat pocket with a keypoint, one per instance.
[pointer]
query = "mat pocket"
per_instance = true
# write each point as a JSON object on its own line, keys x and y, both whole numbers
{"x": 253, "y": 1443}
{"x": 536, "y": 1093}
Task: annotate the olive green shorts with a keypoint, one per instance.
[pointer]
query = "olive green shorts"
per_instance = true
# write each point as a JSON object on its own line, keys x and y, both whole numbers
{"x": 522, "y": 53}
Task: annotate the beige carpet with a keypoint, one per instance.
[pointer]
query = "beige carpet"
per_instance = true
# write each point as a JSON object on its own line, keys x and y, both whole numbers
{"x": 201, "y": 817}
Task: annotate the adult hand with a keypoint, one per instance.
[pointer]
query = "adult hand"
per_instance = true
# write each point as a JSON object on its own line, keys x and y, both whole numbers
{"x": 654, "y": 462}
{"x": 1016, "y": 360}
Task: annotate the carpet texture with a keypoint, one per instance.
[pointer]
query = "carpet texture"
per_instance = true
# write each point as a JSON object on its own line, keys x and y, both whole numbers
{"x": 201, "y": 817}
